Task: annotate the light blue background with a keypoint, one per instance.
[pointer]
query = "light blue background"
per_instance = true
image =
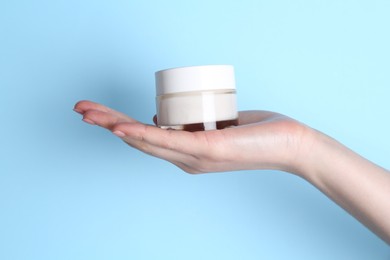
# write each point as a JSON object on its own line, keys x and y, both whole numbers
{"x": 69, "y": 190}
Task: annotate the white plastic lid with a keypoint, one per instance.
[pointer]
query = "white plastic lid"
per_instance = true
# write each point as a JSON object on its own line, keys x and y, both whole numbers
{"x": 195, "y": 78}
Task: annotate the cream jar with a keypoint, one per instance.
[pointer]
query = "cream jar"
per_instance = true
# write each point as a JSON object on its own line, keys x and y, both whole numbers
{"x": 196, "y": 98}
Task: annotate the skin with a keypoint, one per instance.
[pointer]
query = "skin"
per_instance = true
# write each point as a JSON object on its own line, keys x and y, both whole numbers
{"x": 263, "y": 140}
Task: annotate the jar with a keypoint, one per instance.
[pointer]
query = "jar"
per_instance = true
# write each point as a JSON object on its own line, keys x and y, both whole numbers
{"x": 196, "y": 98}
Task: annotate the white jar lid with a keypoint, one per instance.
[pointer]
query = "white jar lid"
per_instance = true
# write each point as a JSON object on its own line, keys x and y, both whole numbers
{"x": 194, "y": 78}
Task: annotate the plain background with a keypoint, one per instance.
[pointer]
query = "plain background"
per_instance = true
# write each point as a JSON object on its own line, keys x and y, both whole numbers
{"x": 69, "y": 190}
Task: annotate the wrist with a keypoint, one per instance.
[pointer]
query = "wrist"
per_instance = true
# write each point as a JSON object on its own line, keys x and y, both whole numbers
{"x": 319, "y": 154}
{"x": 305, "y": 158}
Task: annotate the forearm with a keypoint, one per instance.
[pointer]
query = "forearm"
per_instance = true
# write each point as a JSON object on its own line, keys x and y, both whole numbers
{"x": 359, "y": 186}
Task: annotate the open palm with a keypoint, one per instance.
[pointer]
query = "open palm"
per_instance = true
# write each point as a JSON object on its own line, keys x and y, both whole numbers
{"x": 262, "y": 140}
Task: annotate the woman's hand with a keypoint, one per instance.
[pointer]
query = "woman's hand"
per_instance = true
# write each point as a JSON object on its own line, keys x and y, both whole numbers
{"x": 263, "y": 140}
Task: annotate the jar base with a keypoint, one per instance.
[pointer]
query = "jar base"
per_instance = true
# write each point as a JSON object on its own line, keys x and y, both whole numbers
{"x": 203, "y": 126}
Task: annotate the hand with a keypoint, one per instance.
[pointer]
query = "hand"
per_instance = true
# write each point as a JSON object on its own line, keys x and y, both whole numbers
{"x": 263, "y": 140}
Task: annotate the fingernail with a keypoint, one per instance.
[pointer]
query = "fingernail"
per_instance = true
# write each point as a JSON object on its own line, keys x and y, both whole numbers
{"x": 89, "y": 121}
{"x": 119, "y": 133}
{"x": 77, "y": 110}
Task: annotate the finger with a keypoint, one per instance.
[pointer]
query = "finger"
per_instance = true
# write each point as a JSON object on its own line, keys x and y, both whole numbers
{"x": 181, "y": 160}
{"x": 180, "y": 141}
{"x": 83, "y": 106}
{"x": 105, "y": 119}
{"x": 162, "y": 153}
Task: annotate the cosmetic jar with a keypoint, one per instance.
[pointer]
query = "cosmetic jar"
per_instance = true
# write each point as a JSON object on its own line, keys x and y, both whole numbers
{"x": 196, "y": 98}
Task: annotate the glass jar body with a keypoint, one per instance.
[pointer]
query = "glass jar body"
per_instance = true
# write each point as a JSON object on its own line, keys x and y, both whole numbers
{"x": 197, "y": 110}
